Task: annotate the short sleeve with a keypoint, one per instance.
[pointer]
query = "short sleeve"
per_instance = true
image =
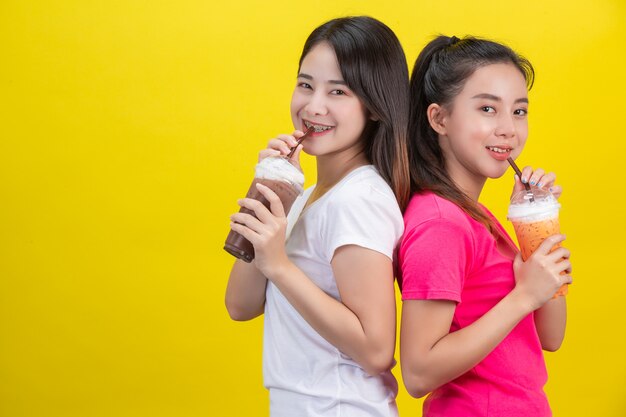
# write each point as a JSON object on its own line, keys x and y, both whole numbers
{"x": 434, "y": 260}
{"x": 365, "y": 216}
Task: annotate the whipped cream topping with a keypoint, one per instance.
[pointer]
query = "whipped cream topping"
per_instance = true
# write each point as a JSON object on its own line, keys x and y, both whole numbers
{"x": 544, "y": 207}
{"x": 278, "y": 168}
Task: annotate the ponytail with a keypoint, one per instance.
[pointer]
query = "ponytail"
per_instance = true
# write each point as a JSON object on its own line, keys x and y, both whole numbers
{"x": 439, "y": 74}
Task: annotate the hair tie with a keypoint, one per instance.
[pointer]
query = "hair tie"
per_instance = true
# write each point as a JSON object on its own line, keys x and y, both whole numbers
{"x": 452, "y": 40}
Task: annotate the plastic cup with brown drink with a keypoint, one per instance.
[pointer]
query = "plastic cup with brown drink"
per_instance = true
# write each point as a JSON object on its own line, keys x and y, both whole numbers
{"x": 535, "y": 216}
{"x": 278, "y": 174}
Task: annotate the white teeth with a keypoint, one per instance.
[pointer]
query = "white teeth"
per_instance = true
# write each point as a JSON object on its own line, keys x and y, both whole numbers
{"x": 318, "y": 128}
{"x": 498, "y": 150}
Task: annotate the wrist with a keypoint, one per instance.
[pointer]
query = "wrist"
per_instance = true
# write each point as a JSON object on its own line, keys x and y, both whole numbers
{"x": 521, "y": 302}
{"x": 280, "y": 271}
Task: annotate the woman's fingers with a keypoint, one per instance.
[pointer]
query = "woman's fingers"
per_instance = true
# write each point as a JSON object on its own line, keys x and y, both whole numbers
{"x": 244, "y": 231}
{"x": 281, "y": 143}
{"x": 556, "y": 191}
{"x": 547, "y": 245}
{"x": 262, "y": 213}
{"x": 561, "y": 256}
{"x": 547, "y": 180}
{"x": 268, "y": 152}
{"x": 527, "y": 171}
{"x": 535, "y": 177}
{"x": 538, "y": 177}
{"x": 247, "y": 220}
{"x": 559, "y": 253}
{"x": 276, "y": 206}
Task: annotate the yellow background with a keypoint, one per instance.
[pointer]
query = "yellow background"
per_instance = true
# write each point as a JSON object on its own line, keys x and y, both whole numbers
{"x": 129, "y": 128}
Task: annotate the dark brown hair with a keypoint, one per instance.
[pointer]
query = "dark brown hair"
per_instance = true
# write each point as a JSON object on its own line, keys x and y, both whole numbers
{"x": 439, "y": 74}
{"x": 374, "y": 67}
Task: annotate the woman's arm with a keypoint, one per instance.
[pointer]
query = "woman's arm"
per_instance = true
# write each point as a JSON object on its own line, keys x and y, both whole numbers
{"x": 550, "y": 322}
{"x": 245, "y": 293}
{"x": 362, "y": 324}
{"x": 550, "y": 319}
{"x": 431, "y": 356}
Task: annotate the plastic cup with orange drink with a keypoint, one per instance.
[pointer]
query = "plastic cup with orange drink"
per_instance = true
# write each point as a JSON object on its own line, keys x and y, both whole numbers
{"x": 535, "y": 216}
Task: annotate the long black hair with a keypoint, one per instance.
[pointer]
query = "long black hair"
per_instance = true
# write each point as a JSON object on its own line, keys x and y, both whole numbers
{"x": 374, "y": 67}
{"x": 439, "y": 75}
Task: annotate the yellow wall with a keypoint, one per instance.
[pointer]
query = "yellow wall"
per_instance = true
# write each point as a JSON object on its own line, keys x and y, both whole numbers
{"x": 129, "y": 128}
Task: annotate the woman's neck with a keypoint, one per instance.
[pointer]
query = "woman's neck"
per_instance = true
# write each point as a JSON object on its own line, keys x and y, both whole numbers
{"x": 331, "y": 169}
{"x": 471, "y": 185}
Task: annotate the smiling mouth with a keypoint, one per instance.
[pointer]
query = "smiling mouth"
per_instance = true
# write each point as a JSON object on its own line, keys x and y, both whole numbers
{"x": 499, "y": 150}
{"x": 318, "y": 128}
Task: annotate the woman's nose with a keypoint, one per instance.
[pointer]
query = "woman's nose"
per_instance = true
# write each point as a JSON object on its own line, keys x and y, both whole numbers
{"x": 506, "y": 126}
{"x": 316, "y": 104}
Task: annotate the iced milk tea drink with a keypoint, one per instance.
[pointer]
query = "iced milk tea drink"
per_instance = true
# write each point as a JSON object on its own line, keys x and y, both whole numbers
{"x": 287, "y": 181}
{"x": 535, "y": 217}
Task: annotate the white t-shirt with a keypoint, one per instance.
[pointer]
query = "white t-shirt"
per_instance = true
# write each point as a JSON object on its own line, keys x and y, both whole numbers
{"x": 306, "y": 375}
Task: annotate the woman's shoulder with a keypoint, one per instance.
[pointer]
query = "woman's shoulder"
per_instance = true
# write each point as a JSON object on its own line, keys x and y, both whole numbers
{"x": 426, "y": 206}
{"x": 434, "y": 219}
{"x": 363, "y": 183}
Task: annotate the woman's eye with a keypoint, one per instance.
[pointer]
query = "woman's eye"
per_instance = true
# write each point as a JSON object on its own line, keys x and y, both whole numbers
{"x": 521, "y": 112}
{"x": 338, "y": 92}
{"x": 488, "y": 109}
{"x": 304, "y": 85}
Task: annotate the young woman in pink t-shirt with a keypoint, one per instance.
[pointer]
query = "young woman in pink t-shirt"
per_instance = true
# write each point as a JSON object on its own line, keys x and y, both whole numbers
{"x": 475, "y": 317}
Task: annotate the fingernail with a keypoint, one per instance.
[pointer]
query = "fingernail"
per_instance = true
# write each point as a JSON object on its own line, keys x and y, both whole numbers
{"x": 524, "y": 180}
{"x": 539, "y": 184}
{"x": 532, "y": 182}
{"x": 550, "y": 189}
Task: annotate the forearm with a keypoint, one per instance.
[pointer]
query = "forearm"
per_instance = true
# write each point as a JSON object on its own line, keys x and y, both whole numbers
{"x": 339, "y": 325}
{"x": 245, "y": 293}
{"x": 550, "y": 321}
{"x": 428, "y": 367}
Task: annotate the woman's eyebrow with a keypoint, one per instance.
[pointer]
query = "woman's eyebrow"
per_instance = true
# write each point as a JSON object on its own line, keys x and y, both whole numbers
{"x": 496, "y": 98}
{"x": 309, "y": 77}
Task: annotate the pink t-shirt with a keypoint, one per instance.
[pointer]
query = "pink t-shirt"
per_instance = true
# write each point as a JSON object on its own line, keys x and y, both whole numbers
{"x": 447, "y": 255}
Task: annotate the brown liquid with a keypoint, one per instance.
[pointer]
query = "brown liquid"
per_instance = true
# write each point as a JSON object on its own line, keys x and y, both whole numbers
{"x": 239, "y": 246}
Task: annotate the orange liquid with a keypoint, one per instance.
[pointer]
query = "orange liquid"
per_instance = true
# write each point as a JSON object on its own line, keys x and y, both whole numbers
{"x": 531, "y": 234}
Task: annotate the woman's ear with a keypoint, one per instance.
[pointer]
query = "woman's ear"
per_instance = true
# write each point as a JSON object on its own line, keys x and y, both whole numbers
{"x": 435, "y": 114}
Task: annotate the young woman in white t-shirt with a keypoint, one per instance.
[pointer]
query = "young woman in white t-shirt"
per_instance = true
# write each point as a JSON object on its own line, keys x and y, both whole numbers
{"x": 323, "y": 276}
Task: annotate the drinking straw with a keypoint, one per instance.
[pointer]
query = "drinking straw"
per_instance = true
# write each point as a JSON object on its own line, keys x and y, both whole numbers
{"x": 519, "y": 174}
{"x": 307, "y": 133}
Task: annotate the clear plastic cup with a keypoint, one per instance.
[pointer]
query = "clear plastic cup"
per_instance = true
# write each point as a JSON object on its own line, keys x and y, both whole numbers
{"x": 535, "y": 217}
{"x": 285, "y": 180}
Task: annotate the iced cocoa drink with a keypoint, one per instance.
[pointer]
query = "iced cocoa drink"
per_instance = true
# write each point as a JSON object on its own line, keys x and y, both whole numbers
{"x": 535, "y": 217}
{"x": 285, "y": 180}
